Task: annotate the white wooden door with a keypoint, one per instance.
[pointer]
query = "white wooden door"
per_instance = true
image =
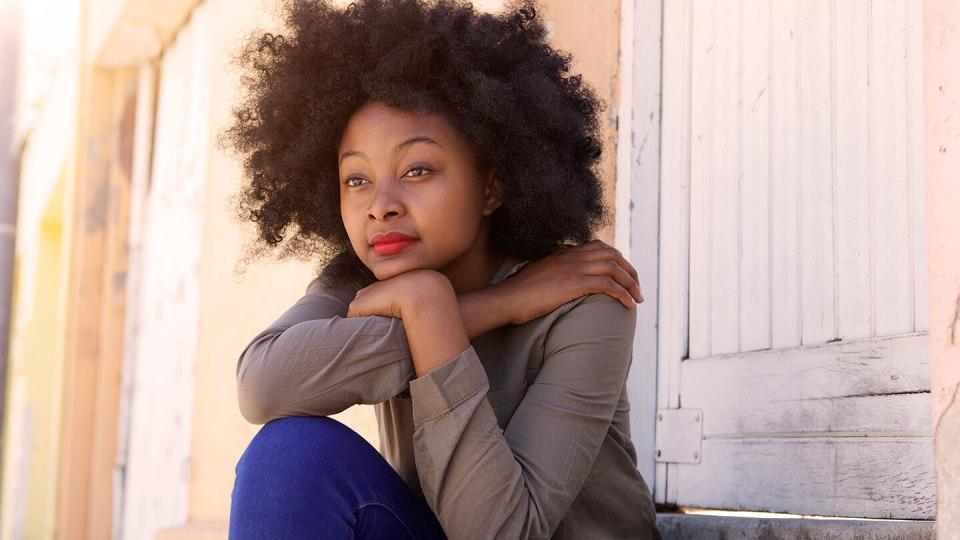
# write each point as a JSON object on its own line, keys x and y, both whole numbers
{"x": 793, "y": 317}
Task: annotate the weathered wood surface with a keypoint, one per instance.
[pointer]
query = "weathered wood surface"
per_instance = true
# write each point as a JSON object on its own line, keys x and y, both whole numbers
{"x": 792, "y": 293}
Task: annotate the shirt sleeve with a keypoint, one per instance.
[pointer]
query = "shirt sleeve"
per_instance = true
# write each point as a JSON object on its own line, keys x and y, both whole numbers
{"x": 315, "y": 361}
{"x": 484, "y": 482}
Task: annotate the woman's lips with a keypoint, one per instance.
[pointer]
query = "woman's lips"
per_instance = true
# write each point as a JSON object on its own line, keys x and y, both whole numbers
{"x": 389, "y": 248}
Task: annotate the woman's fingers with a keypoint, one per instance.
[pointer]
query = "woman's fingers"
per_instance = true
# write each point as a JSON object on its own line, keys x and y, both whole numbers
{"x": 615, "y": 265}
{"x": 608, "y": 285}
{"x": 602, "y": 250}
{"x": 612, "y": 269}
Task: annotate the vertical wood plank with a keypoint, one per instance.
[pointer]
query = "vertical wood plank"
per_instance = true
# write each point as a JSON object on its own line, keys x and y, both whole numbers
{"x": 638, "y": 192}
{"x": 754, "y": 284}
{"x": 674, "y": 218}
{"x": 89, "y": 253}
{"x": 784, "y": 183}
{"x": 142, "y": 152}
{"x": 702, "y": 171}
{"x": 113, "y": 311}
{"x": 854, "y": 270}
{"x": 816, "y": 190}
{"x": 724, "y": 190}
{"x": 888, "y": 170}
{"x": 915, "y": 164}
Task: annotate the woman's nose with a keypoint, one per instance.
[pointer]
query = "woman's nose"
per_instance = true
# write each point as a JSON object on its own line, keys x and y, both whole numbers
{"x": 386, "y": 201}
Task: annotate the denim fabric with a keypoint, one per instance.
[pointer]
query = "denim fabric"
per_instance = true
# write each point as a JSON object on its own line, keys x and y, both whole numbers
{"x": 313, "y": 477}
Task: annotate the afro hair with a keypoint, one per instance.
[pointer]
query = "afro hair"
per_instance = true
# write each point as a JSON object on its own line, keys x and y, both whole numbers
{"x": 494, "y": 77}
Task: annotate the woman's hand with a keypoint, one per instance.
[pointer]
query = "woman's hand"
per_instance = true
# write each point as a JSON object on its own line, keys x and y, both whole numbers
{"x": 545, "y": 284}
{"x": 388, "y": 297}
{"x": 428, "y": 305}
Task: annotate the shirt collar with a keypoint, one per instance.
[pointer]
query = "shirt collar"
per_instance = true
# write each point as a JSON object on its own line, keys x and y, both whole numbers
{"x": 510, "y": 266}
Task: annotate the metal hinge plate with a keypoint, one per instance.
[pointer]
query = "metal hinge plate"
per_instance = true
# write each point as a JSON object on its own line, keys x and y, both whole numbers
{"x": 679, "y": 434}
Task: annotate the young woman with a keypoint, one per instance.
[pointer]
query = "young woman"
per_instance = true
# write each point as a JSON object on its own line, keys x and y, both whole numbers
{"x": 443, "y": 165}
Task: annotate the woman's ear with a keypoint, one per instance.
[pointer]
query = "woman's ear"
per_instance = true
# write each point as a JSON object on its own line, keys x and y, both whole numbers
{"x": 493, "y": 192}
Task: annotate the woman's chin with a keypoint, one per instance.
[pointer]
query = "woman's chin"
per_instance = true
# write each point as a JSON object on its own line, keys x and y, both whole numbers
{"x": 388, "y": 269}
{"x": 394, "y": 267}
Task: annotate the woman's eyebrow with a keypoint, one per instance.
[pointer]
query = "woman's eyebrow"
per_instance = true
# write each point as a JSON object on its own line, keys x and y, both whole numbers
{"x": 396, "y": 149}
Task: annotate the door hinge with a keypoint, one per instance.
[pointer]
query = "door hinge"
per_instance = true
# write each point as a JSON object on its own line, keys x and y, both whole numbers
{"x": 679, "y": 434}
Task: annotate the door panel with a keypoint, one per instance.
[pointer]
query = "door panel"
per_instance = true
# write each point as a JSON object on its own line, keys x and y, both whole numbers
{"x": 791, "y": 201}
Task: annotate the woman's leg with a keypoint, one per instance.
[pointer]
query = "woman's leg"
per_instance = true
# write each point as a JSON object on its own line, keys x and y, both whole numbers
{"x": 313, "y": 477}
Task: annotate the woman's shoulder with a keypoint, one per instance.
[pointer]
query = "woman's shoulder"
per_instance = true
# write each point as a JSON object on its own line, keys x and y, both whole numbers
{"x": 591, "y": 317}
{"x": 601, "y": 308}
{"x": 592, "y": 322}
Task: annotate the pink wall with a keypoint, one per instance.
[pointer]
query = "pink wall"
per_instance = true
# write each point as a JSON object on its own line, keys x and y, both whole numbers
{"x": 942, "y": 141}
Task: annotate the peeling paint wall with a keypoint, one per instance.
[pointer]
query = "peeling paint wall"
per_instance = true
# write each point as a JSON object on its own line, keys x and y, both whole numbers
{"x": 168, "y": 309}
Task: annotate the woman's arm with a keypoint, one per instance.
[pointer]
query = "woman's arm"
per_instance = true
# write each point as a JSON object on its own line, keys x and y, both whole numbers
{"x": 315, "y": 361}
{"x": 484, "y": 482}
{"x": 485, "y": 309}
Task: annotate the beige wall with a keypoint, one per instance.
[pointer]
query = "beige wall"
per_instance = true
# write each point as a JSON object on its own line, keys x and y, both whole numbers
{"x": 233, "y": 307}
{"x": 942, "y": 134}
{"x": 591, "y": 32}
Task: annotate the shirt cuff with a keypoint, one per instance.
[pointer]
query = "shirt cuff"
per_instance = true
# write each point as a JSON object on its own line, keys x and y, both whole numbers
{"x": 437, "y": 392}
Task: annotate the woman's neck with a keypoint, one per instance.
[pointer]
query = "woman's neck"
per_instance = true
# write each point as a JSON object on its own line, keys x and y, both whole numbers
{"x": 474, "y": 269}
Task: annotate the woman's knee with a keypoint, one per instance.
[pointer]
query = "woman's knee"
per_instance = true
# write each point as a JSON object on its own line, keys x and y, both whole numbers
{"x": 289, "y": 478}
{"x": 314, "y": 466}
{"x": 303, "y": 444}
{"x": 297, "y": 466}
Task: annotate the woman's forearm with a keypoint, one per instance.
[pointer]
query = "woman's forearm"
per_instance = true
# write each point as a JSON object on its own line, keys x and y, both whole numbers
{"x": 434, "y": 327}
{"x": 315, "y": 361}
{"x": 483, "y": 310}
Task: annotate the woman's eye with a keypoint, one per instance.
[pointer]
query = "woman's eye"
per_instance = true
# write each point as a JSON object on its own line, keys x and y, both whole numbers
{"x": 347, "y": 181}
{"x": 423, "y": 170}
{"x": 418, "y": 169}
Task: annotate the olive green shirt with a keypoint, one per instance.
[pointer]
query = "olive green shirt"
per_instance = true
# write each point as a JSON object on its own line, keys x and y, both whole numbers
{"x": 524, "y": 434}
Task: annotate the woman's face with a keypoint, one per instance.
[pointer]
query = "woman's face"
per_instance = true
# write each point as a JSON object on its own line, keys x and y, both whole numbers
{"x": 416, "y": 175}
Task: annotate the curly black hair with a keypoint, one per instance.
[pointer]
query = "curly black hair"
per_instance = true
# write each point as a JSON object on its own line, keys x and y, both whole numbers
{"x": 494, "y": 77}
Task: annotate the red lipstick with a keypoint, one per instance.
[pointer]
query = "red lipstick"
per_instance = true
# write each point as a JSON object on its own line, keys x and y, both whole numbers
{"x": 391, "y": 242}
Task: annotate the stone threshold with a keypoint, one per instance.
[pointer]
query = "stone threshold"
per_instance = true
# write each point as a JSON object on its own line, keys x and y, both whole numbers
{"x": 675, "y": 526}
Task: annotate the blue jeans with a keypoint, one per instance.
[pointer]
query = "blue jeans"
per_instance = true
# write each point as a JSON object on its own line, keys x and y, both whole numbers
{"x": 313, "y": 477}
